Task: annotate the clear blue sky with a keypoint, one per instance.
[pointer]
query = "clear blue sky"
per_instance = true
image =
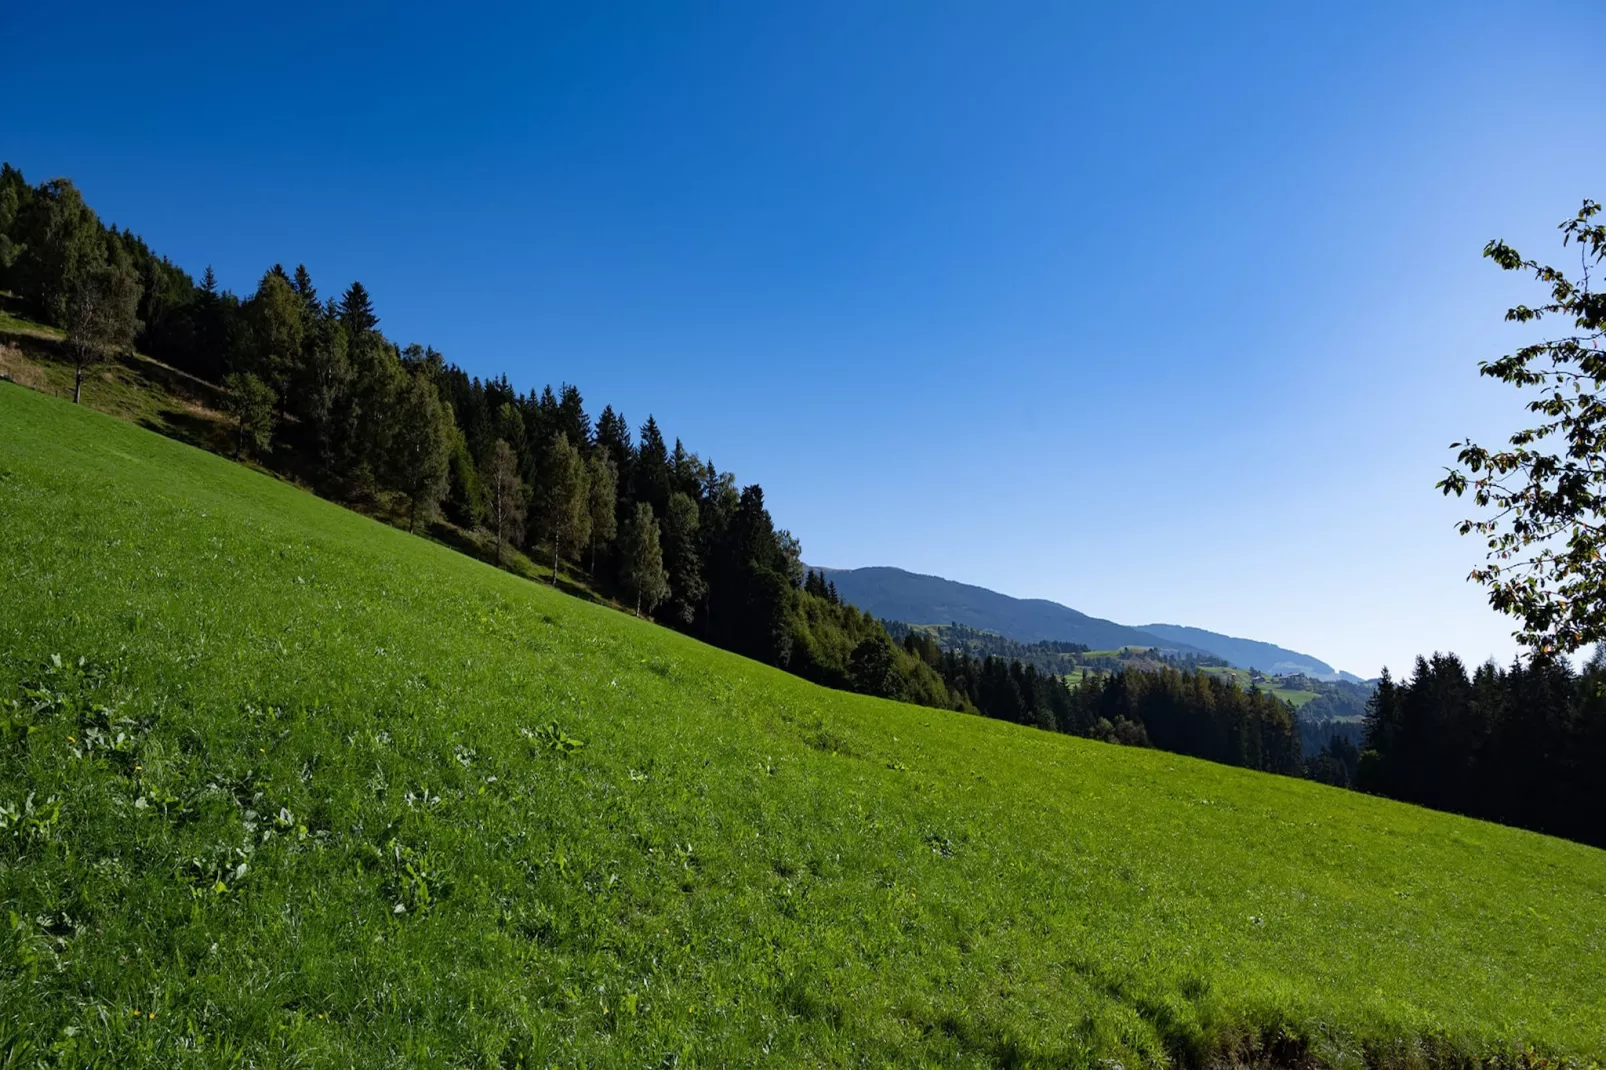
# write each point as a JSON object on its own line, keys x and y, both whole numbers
{"x": 1167, "y": 313}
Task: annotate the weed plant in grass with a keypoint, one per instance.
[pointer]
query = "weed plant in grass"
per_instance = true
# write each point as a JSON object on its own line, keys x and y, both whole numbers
{"x": 280, "y": 785}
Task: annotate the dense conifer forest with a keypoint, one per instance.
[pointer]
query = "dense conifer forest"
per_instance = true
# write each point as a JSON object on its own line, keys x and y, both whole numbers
{"x": 319, "y": 394}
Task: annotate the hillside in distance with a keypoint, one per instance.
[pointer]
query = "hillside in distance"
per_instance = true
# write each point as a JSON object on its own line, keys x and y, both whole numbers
{"x": 913, "y": 598}
{"x": 282, "y": 785}
{"x": 895, "y": 594}
{"x": 1248, "y": 653}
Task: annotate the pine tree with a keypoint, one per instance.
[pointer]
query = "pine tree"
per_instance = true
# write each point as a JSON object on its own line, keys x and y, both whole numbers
{"x": 571, "y": 418}
{"x": 306, "y": 291}
{"x": 650, "y": 478}
{"x": 357, "y": 311}
{"x": 643, "y": 575}
{"x": 613, "y": 436}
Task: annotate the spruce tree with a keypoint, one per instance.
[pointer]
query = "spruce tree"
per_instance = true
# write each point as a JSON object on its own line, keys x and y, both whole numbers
{"x": 571, "y": 418}
{"x": 357, "y": 311}
{"x": 306, "y": 291}
{"x": 613, "y": 436}
{"x": 650, "y": 478}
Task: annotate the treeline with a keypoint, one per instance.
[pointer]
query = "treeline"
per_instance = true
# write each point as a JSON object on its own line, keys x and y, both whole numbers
{"x": 1184, "y": 711}
{"x": 317, "y": 390}
{"x": 1523, "y": 746}
{"x": 1050, "y": 656}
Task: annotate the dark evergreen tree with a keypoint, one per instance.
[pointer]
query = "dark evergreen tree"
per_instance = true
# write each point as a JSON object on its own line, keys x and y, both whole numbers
{"x": 570, "y": 419}
{"x": 357, "y": 314}
{"x": 650, "y": 477}
{"x": 682, "y": 561}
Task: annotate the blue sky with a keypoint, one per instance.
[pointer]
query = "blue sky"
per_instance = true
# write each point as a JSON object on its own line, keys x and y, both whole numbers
{"x": 1165, "y": 312}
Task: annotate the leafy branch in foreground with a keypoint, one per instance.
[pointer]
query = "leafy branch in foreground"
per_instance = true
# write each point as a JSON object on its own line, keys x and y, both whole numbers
{"x": 1544, "y": 497}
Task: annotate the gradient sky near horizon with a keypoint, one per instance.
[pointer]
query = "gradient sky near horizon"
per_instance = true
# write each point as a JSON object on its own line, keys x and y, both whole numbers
{"x": 1166, "y": 312}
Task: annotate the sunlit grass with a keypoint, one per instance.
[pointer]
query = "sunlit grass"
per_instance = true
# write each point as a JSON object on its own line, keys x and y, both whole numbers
{"x": 283, "y": 785}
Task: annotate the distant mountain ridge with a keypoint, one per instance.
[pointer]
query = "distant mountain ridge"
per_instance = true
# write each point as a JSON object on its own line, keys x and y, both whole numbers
{"x": 897, "y": 594}
{"x": 894, "y": 594}
{"x": 1246, "y": 653}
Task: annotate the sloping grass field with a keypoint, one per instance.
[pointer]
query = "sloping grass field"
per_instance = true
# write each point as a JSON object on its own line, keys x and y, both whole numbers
{"x": 280, "y": 785}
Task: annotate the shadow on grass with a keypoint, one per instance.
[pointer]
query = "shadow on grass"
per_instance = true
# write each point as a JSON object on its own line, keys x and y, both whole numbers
{"x": 200, "y": 431}
{"x": 466, "y": 543}
{"x": 35, "y": 344}
{"x": 180, "y": 384}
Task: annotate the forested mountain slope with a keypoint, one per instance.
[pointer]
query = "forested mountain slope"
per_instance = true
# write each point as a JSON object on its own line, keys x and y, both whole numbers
{"x": 1245, "y": 653}
{"x": 894, "y": 594}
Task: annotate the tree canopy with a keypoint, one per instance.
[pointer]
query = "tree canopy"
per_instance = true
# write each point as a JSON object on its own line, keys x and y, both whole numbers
{"x": 1543, "y": 495}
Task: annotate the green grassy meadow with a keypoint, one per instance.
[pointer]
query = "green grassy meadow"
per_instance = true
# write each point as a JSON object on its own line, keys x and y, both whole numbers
{"x": 281, "y": 785}
{"x": 1273, "y": 685}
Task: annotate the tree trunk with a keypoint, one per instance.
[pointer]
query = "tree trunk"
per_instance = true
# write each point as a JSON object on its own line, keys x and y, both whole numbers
{"x": 555, "y": 545}
{"x": 412, "y": 512}
{"x": 78, "y": 384}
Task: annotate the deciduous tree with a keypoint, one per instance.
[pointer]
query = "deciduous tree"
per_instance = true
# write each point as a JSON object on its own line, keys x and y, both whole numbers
{"x": 505, "y": 496}
{"x": 602, "y": 492}
{"x": 101, "y": 312}
{"x": 421, "y": 447}
{"x": 1543, "y": 495}
{"x": 276, "y": 313}
{"x": 250, "y": 401}
{"x": 565, "y": 503}
{"x": 643, "y": 572}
